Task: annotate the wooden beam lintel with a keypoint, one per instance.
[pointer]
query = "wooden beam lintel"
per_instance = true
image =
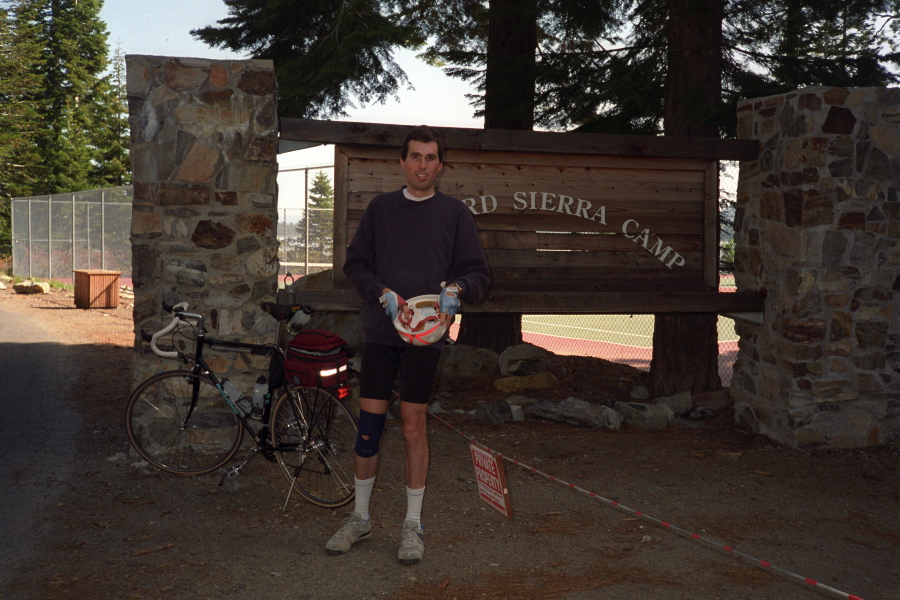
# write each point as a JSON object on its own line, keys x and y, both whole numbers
{"x": 380, "y": 134}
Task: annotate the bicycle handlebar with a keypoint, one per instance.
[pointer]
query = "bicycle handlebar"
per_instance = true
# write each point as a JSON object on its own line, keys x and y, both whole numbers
{"x": 281, "y": 312}
{"x": 178, "y": 320}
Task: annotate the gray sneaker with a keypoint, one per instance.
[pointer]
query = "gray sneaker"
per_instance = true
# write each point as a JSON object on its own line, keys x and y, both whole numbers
{"x": 413, "y": 545}
{"x": 354, "y": 530}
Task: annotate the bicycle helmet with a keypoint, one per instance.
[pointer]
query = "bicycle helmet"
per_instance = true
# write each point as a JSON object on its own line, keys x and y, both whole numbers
{"x": 418, "y": 322}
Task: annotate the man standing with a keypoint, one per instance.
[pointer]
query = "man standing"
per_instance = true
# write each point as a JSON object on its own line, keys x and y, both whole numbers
{"x": 410, "y": 242}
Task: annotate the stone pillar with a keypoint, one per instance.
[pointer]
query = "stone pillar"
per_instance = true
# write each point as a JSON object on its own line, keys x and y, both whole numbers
{"x": 817, "y": 224}
{"x": 203, "y": 151}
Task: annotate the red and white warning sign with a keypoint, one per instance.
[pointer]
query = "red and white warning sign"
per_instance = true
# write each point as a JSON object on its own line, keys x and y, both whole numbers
{"x": 491, "y": 478}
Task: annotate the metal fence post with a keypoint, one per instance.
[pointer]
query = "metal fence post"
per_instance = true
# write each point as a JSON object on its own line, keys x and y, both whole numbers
{"x": 49, "y": 238}
{"x": 102, "y": 230}
{"x": 12, "y": 235}
{"x": 30, "y": 239}
{"x": 72, "y": 249}
{"x": 306, "y": 216}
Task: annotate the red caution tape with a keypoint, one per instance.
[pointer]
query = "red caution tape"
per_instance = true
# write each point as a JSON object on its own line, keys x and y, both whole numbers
{"x": 664, "y": 524}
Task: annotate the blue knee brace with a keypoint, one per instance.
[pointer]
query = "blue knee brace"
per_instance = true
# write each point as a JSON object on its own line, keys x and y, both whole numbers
{"x": 370, "y": 428}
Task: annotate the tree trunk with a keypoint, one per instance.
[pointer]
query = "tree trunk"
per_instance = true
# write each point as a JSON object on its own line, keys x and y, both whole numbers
{"x": 685, "y": 347}
{"x": 694, "y": 82}
{"x": 685, "y": 354}
{"x": 511, "y": 70}
{"x": 508, "y": 104}
{"x": 494, "y": 332}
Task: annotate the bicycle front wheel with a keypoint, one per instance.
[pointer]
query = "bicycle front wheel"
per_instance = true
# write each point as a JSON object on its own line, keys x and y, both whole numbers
{"x": 314, "y": 433}
{"x": 176, "y": 434}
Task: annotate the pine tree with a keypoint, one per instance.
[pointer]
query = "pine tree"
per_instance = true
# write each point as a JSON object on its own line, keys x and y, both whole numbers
{"x": 74, "y": 47}
{"x": 327, "y": 54}
{"x": 63, "y": 125}
{"x": 685, "y": 346}
{"x": 601, "y": 65}
{"x": 832, "y": 42}
{"x": 317, "y": 225}
{"x": 321, "y": 192}
{"x": 19, "y": 119}
{"x": 110, "y": 140}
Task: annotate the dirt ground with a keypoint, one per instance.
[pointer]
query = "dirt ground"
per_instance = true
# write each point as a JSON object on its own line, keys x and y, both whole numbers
{"x": 124, "y": 530}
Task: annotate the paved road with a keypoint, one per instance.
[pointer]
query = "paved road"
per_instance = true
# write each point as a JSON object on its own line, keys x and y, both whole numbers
{"x": 38, "y": 427}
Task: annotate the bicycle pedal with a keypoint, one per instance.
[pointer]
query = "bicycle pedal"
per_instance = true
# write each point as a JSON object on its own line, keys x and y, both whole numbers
{"x": 229, "y": 474}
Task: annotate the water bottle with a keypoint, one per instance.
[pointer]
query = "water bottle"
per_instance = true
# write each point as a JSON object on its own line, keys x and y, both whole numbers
{"x": 259, "y": 396}
{"x": 235, "y": 396}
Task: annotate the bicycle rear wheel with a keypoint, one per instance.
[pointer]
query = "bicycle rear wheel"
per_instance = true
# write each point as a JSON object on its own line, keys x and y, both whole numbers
{"x": 314, "y": 433}
{"x": 164, "y": 435}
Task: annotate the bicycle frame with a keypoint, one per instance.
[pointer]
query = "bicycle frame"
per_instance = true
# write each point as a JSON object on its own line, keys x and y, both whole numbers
{"x": 200, "y": 366}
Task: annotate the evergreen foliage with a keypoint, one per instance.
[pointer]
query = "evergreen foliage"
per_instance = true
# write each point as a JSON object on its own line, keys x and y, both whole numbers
{"x": 74, "y": 49}
{"x": 327, "y": 53}
{"x": 63, "y": 123}
{"x": 601, "y": 64}
{"x": 316, "y": 227}
{"x": 19, "y": 118}
{"x": 111, "y": 164}
{"x": 321, "y": 192}
{"x": 72, "y": 126}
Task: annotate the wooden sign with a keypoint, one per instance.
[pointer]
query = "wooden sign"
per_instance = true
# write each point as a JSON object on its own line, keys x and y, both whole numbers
{"x": 491, "y": 479}
{"x": 571, "y": 223}
{"x": 576, "y": 222}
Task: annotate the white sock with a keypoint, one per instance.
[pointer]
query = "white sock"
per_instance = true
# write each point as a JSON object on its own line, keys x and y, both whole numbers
{"x": 363, "y": 489}
{"x": 414, "y": 505}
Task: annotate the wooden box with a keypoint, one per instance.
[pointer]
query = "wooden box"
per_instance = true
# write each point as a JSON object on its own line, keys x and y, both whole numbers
{"x": 97, "y": 289}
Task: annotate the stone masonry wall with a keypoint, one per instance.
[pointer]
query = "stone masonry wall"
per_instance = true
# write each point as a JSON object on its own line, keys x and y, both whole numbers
{"x": 817, "y": 224}
{"x": 203, "y": 149}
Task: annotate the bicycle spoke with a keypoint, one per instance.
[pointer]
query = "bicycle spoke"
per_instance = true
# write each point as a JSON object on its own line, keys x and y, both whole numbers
{"x": 177, "y": 434}
{"x": 313, "y": 434}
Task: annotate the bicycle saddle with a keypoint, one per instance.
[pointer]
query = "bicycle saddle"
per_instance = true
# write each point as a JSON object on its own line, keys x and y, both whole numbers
{"x": 283, "y": 311}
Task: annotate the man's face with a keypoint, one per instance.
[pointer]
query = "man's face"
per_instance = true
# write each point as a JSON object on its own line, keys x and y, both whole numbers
{"x": 421, "y": 167}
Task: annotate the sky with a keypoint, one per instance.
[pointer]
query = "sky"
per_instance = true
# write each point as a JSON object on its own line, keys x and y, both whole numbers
{"x": 162, "y": 28}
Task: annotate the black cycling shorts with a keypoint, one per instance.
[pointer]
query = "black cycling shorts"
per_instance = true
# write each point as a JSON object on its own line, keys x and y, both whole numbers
{"x": 413, "y": 368}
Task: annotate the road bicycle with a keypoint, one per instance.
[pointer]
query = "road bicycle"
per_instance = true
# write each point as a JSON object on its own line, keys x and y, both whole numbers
{"x": 185, "y": 423}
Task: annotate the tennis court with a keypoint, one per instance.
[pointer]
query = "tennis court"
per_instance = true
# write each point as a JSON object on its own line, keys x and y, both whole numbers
{"x": 625, "y": 339}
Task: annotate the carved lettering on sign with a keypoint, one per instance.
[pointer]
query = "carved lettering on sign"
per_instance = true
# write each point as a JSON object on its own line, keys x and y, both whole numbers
{"x": 488, "y": 204}
{"x": 643, "y": 239}
{"x": 584, "y": 209}
{"x": 546, "y": 201}
{"x": 560, "y": 203}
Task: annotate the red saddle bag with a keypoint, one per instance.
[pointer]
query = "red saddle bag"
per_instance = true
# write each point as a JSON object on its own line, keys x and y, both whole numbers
{"x": 316, "y": 357}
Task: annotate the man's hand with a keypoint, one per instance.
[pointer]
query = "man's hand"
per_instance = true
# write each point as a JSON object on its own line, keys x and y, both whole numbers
{"x": 391, "y": 303}
{"x": 449, "y": 301}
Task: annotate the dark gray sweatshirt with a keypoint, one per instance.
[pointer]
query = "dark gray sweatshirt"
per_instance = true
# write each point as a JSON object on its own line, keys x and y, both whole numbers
{"x": 411, "y": 246}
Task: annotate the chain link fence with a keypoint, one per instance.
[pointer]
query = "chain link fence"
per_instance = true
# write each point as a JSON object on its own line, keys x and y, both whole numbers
{"x": 306, "y": 225}
{"x": 60, "y": 233}
{"x": 306, "y": 244}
